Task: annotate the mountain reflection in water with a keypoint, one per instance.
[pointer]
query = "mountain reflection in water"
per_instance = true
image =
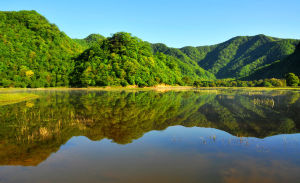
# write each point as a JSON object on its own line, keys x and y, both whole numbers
{"x": 30, "y": 131}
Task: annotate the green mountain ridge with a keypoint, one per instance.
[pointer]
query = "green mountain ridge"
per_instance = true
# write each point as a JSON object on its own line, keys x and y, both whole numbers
{"x": 279, "y": 69}
{"x": 237, "y": 57}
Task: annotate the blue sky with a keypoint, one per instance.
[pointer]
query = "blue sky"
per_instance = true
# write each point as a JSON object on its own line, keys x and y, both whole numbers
{"x": 173, "y": 22}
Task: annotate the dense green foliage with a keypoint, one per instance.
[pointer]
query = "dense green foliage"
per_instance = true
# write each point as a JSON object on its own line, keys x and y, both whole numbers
{"x": 33, "y": 52}
{"x": 32, "y": 130}
{"x": 237, "y": 57}
{"x": 280, "y": 68}
{"x": 90, "y": 40}
{"x": 126, "y": 60}
{"x": 292, "y": 79}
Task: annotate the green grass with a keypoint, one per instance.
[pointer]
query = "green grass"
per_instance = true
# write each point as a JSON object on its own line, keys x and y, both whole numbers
{"x": 12, "y": 98}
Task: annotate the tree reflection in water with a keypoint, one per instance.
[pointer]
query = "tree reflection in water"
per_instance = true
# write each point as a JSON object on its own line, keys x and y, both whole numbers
{"x": 30, "y": 131}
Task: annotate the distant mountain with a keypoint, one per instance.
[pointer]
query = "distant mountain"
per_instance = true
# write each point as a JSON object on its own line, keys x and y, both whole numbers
{"x": 33, "y": 52}
{"x": 237, "y": 57}
{"x": 90, "y": 40}
{"x": 280, "y": 68}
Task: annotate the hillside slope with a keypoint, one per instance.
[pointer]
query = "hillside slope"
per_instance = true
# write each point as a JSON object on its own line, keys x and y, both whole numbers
{"x": 33, "y": 52}
{"x": 280, "y": 68}
{"x": 123, "y": 59}
{"x": 237, "y": 57}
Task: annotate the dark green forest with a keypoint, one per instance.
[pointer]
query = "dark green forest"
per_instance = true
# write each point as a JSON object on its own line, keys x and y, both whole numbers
{"x": 35, "y": 53}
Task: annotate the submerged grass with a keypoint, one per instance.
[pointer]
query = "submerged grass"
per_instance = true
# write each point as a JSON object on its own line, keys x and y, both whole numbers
{"x": 11, "y": 98}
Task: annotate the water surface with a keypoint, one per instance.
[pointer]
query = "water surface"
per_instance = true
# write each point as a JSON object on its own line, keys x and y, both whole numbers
{"x": 148, "y": 136}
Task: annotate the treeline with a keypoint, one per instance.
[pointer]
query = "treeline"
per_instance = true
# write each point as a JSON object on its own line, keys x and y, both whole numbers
{"x": 290, "y": 80}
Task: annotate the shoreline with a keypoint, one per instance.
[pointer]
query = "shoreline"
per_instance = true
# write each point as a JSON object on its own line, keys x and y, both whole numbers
{"x": 154, "y": 88}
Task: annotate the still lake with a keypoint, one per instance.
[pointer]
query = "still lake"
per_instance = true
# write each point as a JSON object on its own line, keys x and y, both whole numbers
{"x": 151, "y": 136}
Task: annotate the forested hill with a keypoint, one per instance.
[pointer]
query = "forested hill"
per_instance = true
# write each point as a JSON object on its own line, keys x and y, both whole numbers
{"x": 33, "y": 52}
{"x": 126, "y": 60}
{"x": 280, "y": 68}
{"x": 237, "y": 57}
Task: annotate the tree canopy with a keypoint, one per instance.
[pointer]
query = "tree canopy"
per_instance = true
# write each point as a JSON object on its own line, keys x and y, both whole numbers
{"x": 90, "y": 40}
{"x": 33, "y": 52}
{"x": 126, "y": 60}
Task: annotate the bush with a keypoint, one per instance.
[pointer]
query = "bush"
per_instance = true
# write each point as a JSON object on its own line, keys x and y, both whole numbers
{"x": 267, "y": 84}
{"x": 292, "y": 79}
{"x": 124, "y": 83}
